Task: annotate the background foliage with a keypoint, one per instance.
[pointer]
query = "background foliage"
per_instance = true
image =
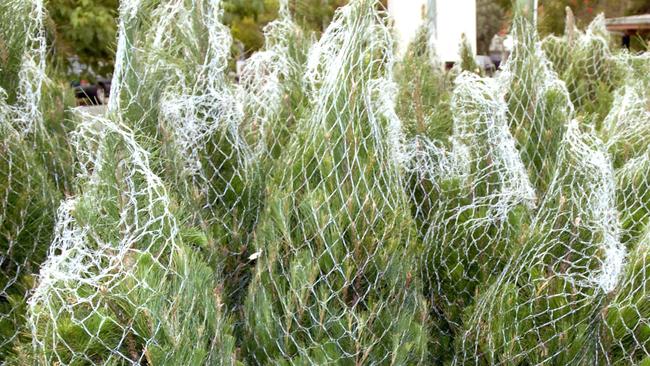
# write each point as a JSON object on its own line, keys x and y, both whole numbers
{"x": 86, "y": 29}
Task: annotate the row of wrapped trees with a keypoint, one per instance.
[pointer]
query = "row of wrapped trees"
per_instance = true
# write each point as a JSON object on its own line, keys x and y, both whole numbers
{"x": 331, "y": 206}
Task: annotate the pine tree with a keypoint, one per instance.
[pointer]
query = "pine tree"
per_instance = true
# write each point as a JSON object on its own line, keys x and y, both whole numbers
{"x": 424, "y": 94}
{"x": 123, "y": 282}
{"x": 334, "y": 281}
{"x": 174, "y": 88}
{"x": 472, "y": 205}
{"x": 467, "y": 60}
{"x": 272, "y": 83}
{"x": 545, "y": 306}
{"x": 28, "y": 194}
{"x": 538, "y": 104}
{"x": 586, "y": 64}
{"x": 625, "y": 331}
{"x": 27, "y": 206}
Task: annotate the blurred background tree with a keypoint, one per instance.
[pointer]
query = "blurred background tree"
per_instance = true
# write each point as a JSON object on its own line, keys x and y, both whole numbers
{"x": 491, "y": 17}
{"x": 83, "y": 32}
{"x": 552, "y": 13}
{"x": 247, "y": 18}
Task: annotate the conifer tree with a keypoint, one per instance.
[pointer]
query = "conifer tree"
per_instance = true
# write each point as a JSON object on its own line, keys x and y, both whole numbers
{"x": 334, "y": 281}
{"x": 474, "y": 203}
{"x": 584, "y": 61}
{"x": 29, "y": 193}
{"x": 123, "y": 282}
{"x": 545, "y": 306}
{"x": 538, "y": 104}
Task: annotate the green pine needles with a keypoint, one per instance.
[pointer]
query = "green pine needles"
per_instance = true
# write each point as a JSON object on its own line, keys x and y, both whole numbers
{"x": 329, "y": 204}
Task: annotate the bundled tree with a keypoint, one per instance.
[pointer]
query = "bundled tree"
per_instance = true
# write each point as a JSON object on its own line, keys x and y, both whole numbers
{"x": 123, "y": 283}
{"x": 626, "y": 130}
{"x": 28, "y": 201}
{"x": 538, "y": 105}
{"x": 334, "y": 282}
{"x": 472, "y": 203}
{"x": 172, "y": 87}
{"x": 545, "y": 307}
{"x": 625, "y": 324}
{"x": 273, "y": 87}
{"x": 584, "y": 61}
{"x": 31, "y": 161}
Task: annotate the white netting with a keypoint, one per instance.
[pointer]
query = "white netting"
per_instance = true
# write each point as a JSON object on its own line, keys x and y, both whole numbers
{"x": 329, "y": 205}
{"x": 122, "y": 283}
{"x": 28, "y": 198}
{"x": 546, "y": 305}
{"x": 22, "y": 60}
{"x": 335, "y": 280}
{"x": 538, "y": 105}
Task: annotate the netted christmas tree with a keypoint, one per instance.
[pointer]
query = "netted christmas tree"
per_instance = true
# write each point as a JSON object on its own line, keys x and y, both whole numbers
{"x": 123, "y": 283}
{"x": 538, "y": 104}
{"x": 550, "y": 305}
{"x": 424, "y": 91}
{"x": 334, "y": 282}
{"x": 273, "y": 87}
{"x": 586, "y": 63}
{"x": 28, "y": 201}
{"x": 30, "y": 155}
{"x": 172, "y": 87}
{"x": 472, "y": 202}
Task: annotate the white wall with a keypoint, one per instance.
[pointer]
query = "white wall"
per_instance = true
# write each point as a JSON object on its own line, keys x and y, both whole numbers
{"x": 453, "y": 18}
{"x": 408, "y": 15}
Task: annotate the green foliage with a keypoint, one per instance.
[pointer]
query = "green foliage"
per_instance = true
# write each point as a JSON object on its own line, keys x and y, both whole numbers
{"x": 333, "y": 281}
{"x": 86, "y": 30}
{"x": 423, "y": 100}
{"x": 538, "y": 105}
{"x": 544, "y": 306}
{"x": 145, "y": 295}
{"x": 27, "y": 215}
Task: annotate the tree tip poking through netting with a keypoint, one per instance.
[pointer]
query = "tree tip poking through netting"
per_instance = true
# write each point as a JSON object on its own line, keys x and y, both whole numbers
{"x": 423, "y": 99}
{"x": 333, "y": 282}
{"x": 271, "y": 82}
{"x": 122, "y": 283}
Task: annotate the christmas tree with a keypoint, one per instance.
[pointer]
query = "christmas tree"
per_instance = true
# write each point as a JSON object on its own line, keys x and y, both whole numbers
{"x": 538, "y": 104}
{"x": 584, "y": 61}
{"x": 545, "y": 306}
{"x": 29, "y": 186}
{"x": 123, "y": 282}
{"x": 334, "y": 281}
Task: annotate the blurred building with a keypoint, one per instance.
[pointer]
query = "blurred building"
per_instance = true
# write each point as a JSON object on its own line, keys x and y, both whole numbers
{"x": 628, "y": 27}
{"x": 448, "y": 21}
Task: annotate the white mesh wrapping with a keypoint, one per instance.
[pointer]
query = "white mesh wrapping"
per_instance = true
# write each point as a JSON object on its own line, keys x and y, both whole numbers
{"x": 330, "y": 205}
{"x": 121, "y": 285}
{"x": 545, "y": 306}
{"x": 334, "y": 281}
{"x": 28, "y": 198}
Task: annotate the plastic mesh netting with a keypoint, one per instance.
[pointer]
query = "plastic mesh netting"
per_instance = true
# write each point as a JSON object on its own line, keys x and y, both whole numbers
{"x": 333, "y": 281}
{"x": 329, "y": 204}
